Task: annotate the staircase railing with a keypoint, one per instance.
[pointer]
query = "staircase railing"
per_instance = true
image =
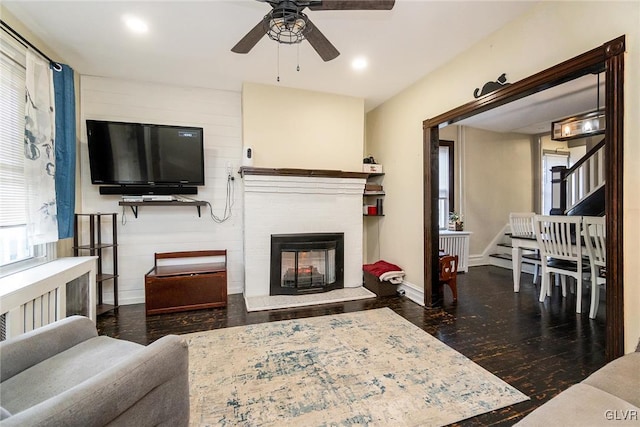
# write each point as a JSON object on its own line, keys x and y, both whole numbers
{"x": 572, "y": 186}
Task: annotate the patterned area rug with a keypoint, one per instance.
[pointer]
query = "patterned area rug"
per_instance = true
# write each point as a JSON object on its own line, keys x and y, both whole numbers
{"x": 286, "y": 301}
{"x": 369, "y": 368}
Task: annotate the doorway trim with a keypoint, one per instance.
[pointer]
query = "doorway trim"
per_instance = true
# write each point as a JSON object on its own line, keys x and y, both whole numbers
{"x": 608, "y": 57}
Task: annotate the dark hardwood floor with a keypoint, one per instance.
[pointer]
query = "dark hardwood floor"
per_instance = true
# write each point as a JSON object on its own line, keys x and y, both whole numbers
{"x": 539, "y": 348}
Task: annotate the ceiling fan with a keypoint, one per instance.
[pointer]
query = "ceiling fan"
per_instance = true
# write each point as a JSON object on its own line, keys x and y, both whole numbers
{"x": 288, "y": 25}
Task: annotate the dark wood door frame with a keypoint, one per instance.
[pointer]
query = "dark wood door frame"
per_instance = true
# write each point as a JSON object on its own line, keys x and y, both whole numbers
{"x": 608, "y": 57}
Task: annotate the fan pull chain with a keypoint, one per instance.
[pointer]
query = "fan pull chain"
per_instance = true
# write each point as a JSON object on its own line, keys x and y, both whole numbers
{"x": 278, "y": 79}
{"x": 298, "y": 57}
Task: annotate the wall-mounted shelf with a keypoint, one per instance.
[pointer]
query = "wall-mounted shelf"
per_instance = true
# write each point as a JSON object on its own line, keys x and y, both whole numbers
{"x": 373, "y": 188}
{"x": 134, "y": 205}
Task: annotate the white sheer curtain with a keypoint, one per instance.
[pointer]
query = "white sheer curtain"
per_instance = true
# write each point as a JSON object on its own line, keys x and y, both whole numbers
{"x": 39, "y": 136}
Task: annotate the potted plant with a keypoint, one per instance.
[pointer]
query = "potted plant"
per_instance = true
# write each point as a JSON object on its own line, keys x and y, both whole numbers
{"x": 455, "y": 222}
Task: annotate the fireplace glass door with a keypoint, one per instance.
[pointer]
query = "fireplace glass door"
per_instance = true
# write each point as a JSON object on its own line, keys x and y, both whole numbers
{"x": 308, "y": 268}
{"x": 306, "y": 263}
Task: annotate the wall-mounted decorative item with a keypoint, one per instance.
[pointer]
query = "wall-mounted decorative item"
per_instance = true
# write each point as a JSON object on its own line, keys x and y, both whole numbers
{"x": 489, "y": 87}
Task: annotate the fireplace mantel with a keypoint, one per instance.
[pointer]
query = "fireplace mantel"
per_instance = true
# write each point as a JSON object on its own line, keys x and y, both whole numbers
{"x": 316, "y": 173}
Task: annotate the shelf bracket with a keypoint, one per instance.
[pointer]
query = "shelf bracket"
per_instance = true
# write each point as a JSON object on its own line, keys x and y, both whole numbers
{"x": 198, "y": 207}
{"x": 134, "y": 209}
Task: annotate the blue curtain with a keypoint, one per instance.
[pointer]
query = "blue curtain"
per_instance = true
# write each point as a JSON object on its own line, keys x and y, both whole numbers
{"x": 65, "y": 148}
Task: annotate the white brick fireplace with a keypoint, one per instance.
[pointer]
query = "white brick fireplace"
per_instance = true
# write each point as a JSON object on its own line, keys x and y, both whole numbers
{"x": 288, "y": 201}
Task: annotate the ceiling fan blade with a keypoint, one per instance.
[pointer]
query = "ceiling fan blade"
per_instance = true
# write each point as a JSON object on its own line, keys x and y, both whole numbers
{"x": 319, "y": 42}
{"x": 250, "y": 39}
{"x": 353, "y": 5}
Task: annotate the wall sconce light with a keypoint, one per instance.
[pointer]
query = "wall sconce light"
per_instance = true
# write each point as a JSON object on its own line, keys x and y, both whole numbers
{"x": 580, "y": 126}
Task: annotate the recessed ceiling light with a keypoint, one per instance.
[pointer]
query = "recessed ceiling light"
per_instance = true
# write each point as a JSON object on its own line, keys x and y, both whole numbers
{"x": 359, "y": 63}
{"x": 136, "y": 25}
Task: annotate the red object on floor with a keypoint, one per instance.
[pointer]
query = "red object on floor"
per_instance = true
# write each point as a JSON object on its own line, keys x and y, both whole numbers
{"x": 380, "y": 267}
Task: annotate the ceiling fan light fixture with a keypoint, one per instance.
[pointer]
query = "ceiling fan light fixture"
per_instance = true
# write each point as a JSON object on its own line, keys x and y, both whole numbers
{"x": 286, "y": 26}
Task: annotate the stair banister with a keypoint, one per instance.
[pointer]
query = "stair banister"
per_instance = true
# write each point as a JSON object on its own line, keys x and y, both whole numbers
{"x": 572, "y": 185}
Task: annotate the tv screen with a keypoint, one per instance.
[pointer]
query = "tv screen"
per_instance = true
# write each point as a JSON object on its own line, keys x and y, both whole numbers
{"x": 145, "y": 154}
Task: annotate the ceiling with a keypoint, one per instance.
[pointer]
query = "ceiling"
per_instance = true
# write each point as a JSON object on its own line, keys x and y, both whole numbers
{"x": 533, "y": 114}
{"x": 189, "y": 42}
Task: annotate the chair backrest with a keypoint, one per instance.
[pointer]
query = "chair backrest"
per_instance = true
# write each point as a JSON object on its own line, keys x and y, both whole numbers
{"x": 521, "y": 223}
{"x": 595, "y": 238}
{"x": 448, "y": 267}
{"x": 559, "y": 236}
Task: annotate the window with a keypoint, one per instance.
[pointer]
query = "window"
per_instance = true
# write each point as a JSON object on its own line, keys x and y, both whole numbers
{"x": 15, "y": 251}
{"x": 445, "y": 194}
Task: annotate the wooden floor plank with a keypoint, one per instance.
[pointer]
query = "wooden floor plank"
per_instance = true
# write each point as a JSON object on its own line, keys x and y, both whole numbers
{"x": 539, "y": 348}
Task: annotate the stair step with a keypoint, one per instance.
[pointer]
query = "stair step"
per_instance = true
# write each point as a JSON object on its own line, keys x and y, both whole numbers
{"x": 505, "y": 245}
{"x": 498, "y": 261}
{"x": 532, "y": 257}
{"x": 504, "y": 261}
{"x": 525, "y": 258}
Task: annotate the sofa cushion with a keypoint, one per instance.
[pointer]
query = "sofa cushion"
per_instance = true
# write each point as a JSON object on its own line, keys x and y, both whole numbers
{"x": 582, "y": 405}
{"x": 620, "y": 377}
{"x": 63, "y": 371}
{"x": 4, "y": 413}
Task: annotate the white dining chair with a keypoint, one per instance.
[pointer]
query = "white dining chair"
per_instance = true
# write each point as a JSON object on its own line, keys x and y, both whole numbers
{"x": 559, "y": 239}
{"x": 521, "y": 224}
{"x": 595, "y": 242}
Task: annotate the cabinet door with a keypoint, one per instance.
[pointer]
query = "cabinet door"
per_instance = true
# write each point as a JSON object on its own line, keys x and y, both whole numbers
{"x": 189, "y": 292}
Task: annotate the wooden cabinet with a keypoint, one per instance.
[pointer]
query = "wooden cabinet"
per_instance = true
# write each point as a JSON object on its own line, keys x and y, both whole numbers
{"x": 181, "y": 281}
{"x": 96, "y": 243}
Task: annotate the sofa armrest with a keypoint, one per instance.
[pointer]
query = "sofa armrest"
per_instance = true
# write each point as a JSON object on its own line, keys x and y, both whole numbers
{"x": 112, "y": 397}
{"x": 29, "y": 349}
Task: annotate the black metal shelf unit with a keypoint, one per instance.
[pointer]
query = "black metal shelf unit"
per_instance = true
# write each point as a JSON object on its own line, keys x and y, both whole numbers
{"x": 97, "y": 247}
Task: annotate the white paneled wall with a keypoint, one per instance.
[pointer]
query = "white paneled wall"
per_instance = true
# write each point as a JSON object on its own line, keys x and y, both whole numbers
{"x": 289, "y": 205}
{"x": 167, "y": 229}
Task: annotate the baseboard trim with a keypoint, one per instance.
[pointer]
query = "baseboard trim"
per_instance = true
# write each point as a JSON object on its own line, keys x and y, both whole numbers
{"x": 412, "y": 292}
{"x": 140, "y": 300}
{"x": 477, "y": 260}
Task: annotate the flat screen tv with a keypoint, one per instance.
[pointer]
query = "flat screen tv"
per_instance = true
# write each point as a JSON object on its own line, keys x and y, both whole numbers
{"x": 145, "y": 156}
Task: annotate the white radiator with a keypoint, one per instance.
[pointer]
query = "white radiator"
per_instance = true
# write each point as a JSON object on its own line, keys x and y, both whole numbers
{"x": 456, "y": 243}
{"x": 38, "y": 296}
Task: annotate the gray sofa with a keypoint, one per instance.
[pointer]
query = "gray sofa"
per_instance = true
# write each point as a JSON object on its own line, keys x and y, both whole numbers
{"x": 64, "y": 374}
{"x": 609, "y": 395}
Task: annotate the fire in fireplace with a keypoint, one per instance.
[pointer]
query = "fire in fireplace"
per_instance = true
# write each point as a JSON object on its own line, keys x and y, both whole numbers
{"x": 306, "y": 263}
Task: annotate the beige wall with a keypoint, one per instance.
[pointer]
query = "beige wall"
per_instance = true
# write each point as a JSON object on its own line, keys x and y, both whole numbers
{"x": 545, "y": 36}
{"x": 292, "y": 128}
{"x": 496, "y": 177}
{"x": 551, "y": 145}
{"x": 497, "y": 180}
